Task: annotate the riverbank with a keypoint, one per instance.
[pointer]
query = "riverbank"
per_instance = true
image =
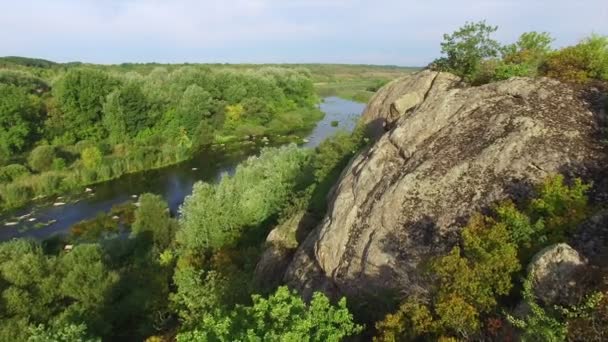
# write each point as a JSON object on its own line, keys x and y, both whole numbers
{"x": 173, "y": 182}
{"x": 40, "y": 187}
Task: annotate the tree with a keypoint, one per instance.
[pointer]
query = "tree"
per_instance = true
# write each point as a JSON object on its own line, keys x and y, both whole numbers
{"x": 91, "y": 157}
{"x": 194, "y": 111}
{"x": 126, "y": 112}
{"x": 216, "y": 215}
{"x": 41, "y": 158}
{"x": 152, "y": 217}
{"x": 282, "y": 316}
{"x": 80, "y": 94}
{"x": 529, "y": 48}
{"x": 467, "y": 47}
{"x": 19, "y": 114}
{"x": 60, "y": 333}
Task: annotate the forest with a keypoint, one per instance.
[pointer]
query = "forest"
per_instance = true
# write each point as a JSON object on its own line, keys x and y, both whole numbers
{"x": 191, "y": 277}
{"x": 65, "y": 127}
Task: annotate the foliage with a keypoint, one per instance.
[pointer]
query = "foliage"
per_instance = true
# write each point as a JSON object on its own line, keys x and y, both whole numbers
{"x": 528, "y": 53}
{"x": 142, "y": 117}
{"x": 217, "y": 215}
{"x": 19, "y": 119}
{"x": 589, "y": 321}
{"x": 12, "y": 172}
{"x": 580, "y": 63}
{"x": 561, "y": 207}
{"x": 41, "y": 158}
{"x": 63, "y": 333}
{"x": 471, "y": 279}
{"x": 91, "y": 157}
{"x": 80, "y": 94}
{"x": 39, "y": 289}
{"x": 537, "y": 325}
{"x": 126, "y": 112}
{"x": 152, "y": 217}
{"x": 282, "y": 316}
{"x": 466, "y": 48}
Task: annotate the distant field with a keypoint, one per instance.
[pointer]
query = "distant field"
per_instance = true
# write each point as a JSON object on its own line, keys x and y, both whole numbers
{"x": 354, "y": 82}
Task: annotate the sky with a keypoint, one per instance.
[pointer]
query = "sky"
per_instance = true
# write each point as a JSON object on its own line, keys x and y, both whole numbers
{"x": 396, "y": 32}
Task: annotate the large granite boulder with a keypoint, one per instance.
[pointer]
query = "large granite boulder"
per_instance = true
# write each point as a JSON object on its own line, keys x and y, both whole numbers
{"x": 554, "y": 272}
{"x": 449, "y": 151}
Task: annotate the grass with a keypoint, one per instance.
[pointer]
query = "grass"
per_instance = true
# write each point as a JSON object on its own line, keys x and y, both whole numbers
{"x": 354, "y": 82}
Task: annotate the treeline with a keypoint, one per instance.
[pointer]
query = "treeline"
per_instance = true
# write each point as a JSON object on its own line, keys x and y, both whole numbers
{"x": 64, "y": 127}
{"x": 190, "y": 278}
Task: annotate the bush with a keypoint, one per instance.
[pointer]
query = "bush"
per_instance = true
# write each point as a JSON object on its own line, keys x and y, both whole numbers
{"x": 11, "y": 172}
{"x": 14, "y": 195}
{"x": 580, "y": 63}
{"x": 216, "y": 215}
{"x": 41, "y": 158}
{"x": 47, "y": 184}
{"x": 58, "y": 164}
{"x": 91, "y": 157}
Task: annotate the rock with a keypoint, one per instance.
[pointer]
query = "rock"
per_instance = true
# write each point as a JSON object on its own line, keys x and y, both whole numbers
{"x": 404, "y": 200}
{"x": 22, "y": 217}
{"x": 10, "y": 224}
{"x": 281, "y": 243}
{"x": 402, "y": 95}
{"x": 554, "y": 274}
{"x": 32, "y": 219}
{"x": 195, "y": 169}
{"x": 58, "y": 204}
{"x": 88, "y": 190}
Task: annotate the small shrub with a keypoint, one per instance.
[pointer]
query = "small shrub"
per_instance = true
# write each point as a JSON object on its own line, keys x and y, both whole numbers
{"x": 14, "y": 195}
{"x": 91, "y": 157}
{"x": 11, "y": 172}
{"x": 41, "y": 158}
{"x": 58, "y": 164}
{"x": 505, "y": 71}
{"x": 580, "y": 63}
{"x": 335, "y": 123}
{"x": 46, "y": 184}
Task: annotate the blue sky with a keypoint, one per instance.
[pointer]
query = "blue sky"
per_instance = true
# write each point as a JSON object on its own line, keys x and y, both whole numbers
{"x": 397, "y": 32}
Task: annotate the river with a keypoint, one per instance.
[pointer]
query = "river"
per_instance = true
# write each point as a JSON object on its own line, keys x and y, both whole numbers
{"x": 174, "y": 183}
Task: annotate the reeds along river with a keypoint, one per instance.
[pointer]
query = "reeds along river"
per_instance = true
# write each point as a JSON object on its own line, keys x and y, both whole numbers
{"x": 174, "y": 183}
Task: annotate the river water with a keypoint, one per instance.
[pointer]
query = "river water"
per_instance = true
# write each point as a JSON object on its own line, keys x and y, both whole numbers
{"x": 174, "y": 183}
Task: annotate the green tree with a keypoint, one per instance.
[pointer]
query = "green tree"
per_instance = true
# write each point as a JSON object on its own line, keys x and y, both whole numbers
{"x": 216, "y": 215}
{"x": 282, "y": 316}
{"x": 41, "y": 158}
{"x": 126, "y": 112}
{"x": 80, "y": 94}
{"x": 466, "y": 48}
{"x": 152, "y": 217}
{"x": 531, "y": 47}
{"x": 61, "y": 333}
{"x": 19, "y": 115}
{"x": 91, "y": 157}
{"x": 194, "y": 113}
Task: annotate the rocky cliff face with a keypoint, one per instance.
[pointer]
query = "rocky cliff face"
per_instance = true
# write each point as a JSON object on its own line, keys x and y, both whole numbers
{"x": 443, "y": 151}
